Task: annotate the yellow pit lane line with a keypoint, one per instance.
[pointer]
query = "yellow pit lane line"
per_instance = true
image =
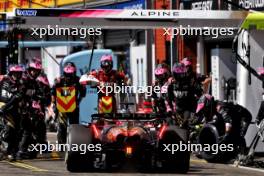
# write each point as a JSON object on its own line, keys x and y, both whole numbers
{"x": 248, "y": 168}
{"x": 26, "y": 166}
{"x": 198, "y": 161}
{"x": 54, "y": 155}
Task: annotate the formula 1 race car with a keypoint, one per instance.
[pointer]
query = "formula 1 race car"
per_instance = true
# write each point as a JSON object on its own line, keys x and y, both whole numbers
{"x": 113, "y": 139}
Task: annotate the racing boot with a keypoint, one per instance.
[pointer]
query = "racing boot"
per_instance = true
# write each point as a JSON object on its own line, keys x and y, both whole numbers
{"x": 23, "y": 155}
{"x": 23, "y": 152}
{"x": 11, "y": 157}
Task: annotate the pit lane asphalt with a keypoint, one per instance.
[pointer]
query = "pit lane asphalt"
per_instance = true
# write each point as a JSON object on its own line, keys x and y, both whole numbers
{"x": 53, "y": 165}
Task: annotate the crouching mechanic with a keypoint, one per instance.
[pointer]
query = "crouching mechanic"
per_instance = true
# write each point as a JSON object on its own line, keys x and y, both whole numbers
{"x": 67, "y": 94}
{"x": 235, "y": 117}
{"x": 12, "y": 92}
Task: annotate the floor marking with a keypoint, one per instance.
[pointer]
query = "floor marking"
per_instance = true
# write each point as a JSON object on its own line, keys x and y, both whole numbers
{"x": 54, "y": 155}
{"x": 198, "y": 161}
{"x": 48, "y": 159}
{"x": 26, "y": 166}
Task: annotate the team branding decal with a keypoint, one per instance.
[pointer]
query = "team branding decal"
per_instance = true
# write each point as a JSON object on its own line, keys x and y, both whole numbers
{"x": 26, "y": 12}
{"x": 106, "y": 104}
{"x": 66, "y": 99}
{"x": 128, "y": 14}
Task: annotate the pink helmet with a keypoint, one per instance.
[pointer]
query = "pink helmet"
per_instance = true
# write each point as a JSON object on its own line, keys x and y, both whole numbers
{"x": 186, "y": 62}
{"x": 162, "y": 73}
{"x": 16, "y": 68}
{"x": 69, "y": 68}
{"x": 106, "y": 57}
{"x": 179, "y": 68}
{"x": 36, "y": 105}
{"x": 161, "y": 70}
{"x": 106, "y": 63}
{"x": 36, "y": 65}
{"x": 261, "y": 71}
{"x": 43, "y": 80}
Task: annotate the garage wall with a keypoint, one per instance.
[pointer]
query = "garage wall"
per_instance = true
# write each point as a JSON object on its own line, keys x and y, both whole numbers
{"x": 253, "y": 95}
{"x": 51, "y": 68}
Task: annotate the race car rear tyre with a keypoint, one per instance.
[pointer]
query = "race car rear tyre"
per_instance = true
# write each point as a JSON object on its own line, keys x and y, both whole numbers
{"x": 79, "y": 135}
{"x": 177, "y": 161}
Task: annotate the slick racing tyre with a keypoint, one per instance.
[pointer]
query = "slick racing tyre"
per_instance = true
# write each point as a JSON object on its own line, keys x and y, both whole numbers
{"x": 210, "y": 136}
{"x": 178, "y": 161}
{"x": 75, "y": 161}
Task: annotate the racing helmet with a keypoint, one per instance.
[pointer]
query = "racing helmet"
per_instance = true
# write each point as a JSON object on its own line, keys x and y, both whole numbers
{"x": 34, "y": 68}
{"x": 106, "y": 63}
{"x": 186, "y": 61}
{"x": 260, "y": 71}
{"x": 15, "y": 71}
{"x": 35, "y": 63}
{"x": 162, "y": 72}
{"x": 180, "y": 71}
{"x": 188, "y": 64}
{"x": 69, "y": 69}
{"x": 43, "y": 80}
{"x": 205, "y": 105}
